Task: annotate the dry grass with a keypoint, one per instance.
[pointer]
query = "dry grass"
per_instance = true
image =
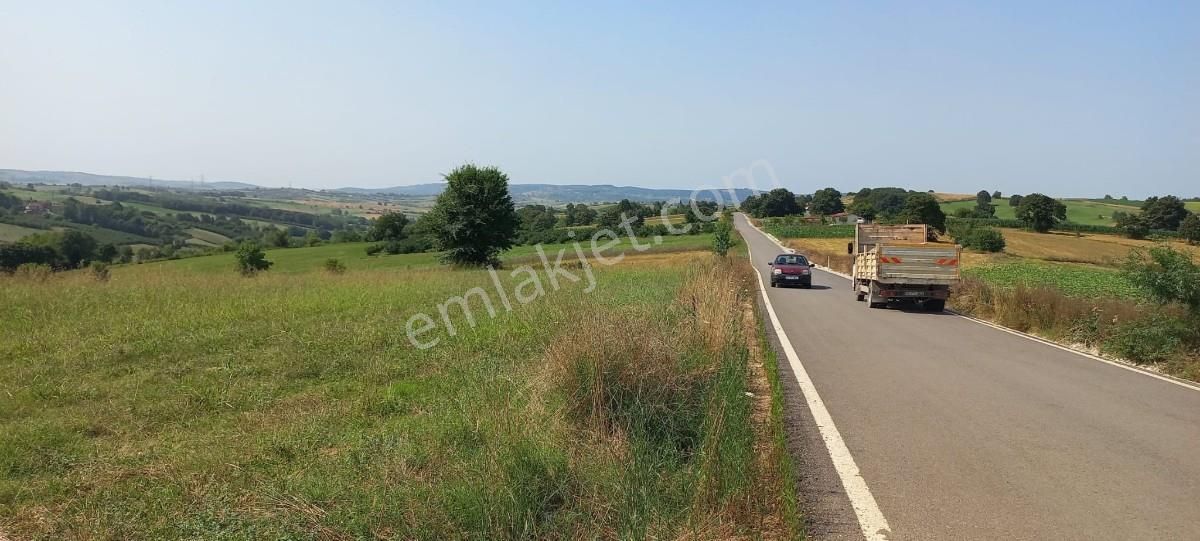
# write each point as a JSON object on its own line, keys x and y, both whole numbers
{"x": 1096, "y": 249}
{"x": 829, "y": 253}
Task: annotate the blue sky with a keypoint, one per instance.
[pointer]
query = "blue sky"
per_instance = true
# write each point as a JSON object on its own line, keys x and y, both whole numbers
{"x": 1071, "y": 99}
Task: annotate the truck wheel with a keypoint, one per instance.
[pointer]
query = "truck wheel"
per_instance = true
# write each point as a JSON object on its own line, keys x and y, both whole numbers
{"x": 872, "y": 301}
{"x": 935, "y": 305}
{"x": 860, "y": 296}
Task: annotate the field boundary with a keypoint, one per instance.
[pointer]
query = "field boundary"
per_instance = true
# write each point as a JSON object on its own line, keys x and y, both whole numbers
{"x": 871, "y": 521}
{"x": 1114, "y": 362}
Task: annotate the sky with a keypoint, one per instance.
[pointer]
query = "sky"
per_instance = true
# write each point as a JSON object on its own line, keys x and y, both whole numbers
{"x": 1079, "y": 99}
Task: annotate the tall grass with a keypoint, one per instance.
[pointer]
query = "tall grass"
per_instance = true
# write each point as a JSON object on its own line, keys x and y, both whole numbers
{"x": 1163, "y": 336}
{"x": 170, "y": 403}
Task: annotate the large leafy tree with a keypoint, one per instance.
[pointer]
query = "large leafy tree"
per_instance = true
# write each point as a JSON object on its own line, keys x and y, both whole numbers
{"x": 1165, "y": 212}
{"x": 923, "y": 208}
{"x": 1041, "y": 212}
{"x": 1189, "y": 229}
{"x": 474, "y": 219}
{"x": 390, "y": 226}
{"x": 780, "y": 202}
{"x": 826, "y": 201}
{"x": 983, "y": 205}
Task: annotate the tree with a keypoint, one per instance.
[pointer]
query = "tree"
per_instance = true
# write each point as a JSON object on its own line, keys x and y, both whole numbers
{"x": 250, "y": 258}
{"x": 312, "y": 238}
{"x": 983, "y": 205}
{"x": 779, "y": 202}
{"x": 537, "y": 218}
{"x": 826, "y": 201}
{"x": 1041, "y": 212}
{"x": 106, "y": 253}
{"x": 389, "y": 226}
{"x": 1014, "y": 200}
{"x": 997, "y": 195}
{"x": 922, "y": 208}
{"x": 1189, "y": 229}
{"x": 276, "y": 237}
{"x": 474, "y": 219}
{"x": 752, "y": 205}
{"x": 863, "y": 208}
{"x": 1133, "y": 226}
{"x": 1165, "y": 212}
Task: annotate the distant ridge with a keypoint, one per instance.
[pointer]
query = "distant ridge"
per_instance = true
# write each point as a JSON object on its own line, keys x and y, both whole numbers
{"x": 17, "y": 176}
{"x": 522, "y": 193}
{"x": 561, "y": 192}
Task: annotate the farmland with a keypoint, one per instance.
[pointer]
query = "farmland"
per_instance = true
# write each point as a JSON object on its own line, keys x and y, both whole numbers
{"x": 1080, "y": 211}
{"x": 180, "y": 400}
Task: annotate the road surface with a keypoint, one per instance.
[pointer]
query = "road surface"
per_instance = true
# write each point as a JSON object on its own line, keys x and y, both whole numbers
{"x": 962, "y": 431}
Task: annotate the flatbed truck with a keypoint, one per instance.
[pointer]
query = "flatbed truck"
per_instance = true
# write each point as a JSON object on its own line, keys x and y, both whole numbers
{"x": 896, "y": 263}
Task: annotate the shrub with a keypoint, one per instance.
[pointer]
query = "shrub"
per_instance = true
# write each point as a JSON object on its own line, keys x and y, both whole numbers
{"x": 98, "y": 270}
{"x": 251, "y": 259}
{"x": 1168, "y": 275}
{"x": 722, "y": 238}
{"x": 970, "y": 234}
{"x": 334, "y": 266}
{"x": 1151, "y": 339}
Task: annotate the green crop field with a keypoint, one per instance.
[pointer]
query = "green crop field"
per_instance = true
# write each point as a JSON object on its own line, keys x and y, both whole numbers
{"x": 179, "y": 400}
{"x": 784, "y": 230}
{"x": 1079, "y": 211}
{"x": 1071, "y": 279}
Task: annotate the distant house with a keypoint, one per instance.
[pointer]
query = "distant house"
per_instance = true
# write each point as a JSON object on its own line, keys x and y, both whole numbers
{"x": 37, "y": 207}
{"x": 843, "y": 218}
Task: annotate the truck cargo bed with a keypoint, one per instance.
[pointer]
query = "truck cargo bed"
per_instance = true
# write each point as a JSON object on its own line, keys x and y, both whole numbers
{"x": 909, "y": 264}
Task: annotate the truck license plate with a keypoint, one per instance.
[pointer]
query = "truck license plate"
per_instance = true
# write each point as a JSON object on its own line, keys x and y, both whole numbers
{"x": 914, "y": 293}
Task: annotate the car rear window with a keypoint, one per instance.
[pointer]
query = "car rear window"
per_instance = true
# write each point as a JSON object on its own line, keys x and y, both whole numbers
{"x": 791, "y": 260}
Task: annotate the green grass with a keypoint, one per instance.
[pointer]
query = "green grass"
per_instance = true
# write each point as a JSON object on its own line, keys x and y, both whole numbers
{"x": 1079, "y": 211}
{"x": 212, "y": 238}
{"x": 180, "y": 400}
{"x": 354, "y": 255}
{"x": 1072, "y": 279}
{"x": 13, "y": 233}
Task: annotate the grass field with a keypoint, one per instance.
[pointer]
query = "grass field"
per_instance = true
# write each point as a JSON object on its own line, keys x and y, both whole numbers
{"x": 179, "y": 400}
{"x": 1078, "y": 210}
{"x": 13, "y": 233}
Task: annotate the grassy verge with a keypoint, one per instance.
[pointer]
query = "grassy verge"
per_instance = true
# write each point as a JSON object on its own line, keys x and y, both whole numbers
{"x": 170, "y": 402}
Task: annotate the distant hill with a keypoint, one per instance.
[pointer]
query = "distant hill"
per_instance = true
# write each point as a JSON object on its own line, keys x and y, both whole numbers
{"x": 558, "y": 193}
{"x": 17, "y": 176}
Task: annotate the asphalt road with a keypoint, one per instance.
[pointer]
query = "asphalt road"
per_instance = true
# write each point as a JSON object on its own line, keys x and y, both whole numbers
{"x": 962, "y": 431}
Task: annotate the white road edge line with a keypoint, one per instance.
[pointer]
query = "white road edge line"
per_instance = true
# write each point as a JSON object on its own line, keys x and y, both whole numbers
{"x": 1027, "y": 336}
{"x": 870, "y": 519}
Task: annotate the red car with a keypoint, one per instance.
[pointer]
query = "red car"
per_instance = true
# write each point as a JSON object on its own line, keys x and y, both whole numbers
{"x": 790, "y": 270}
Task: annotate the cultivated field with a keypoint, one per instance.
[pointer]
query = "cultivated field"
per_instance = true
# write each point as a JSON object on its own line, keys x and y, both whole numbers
{"x": 180, "y": 400}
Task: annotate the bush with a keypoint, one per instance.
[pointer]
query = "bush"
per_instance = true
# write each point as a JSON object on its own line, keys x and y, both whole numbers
{"x": 1152, "y": 339}
{"x": 1168, "y": 275}
{"x": 251, "y": 259}
{"x": 98, "y": 270}
{"x": 976, "y": 237}
{"x": 722, "y": 238}
{"x": 334, "y": 266}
